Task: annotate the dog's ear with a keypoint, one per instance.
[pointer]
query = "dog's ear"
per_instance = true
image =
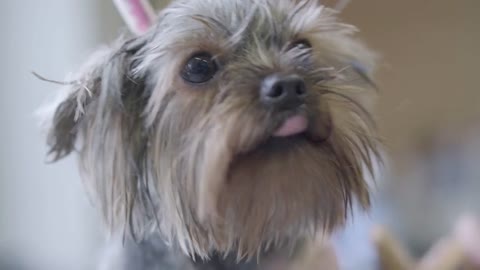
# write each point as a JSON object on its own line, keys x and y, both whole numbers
{"x": 100, "y": 115}
{"x": 106, "y": 84}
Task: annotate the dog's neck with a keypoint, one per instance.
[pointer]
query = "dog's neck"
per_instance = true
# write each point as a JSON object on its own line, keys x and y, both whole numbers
{"x": 219, "y": 262}
{"x": 154, "y": 254}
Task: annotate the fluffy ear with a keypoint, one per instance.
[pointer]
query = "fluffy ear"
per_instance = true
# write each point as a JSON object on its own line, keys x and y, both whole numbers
{"x": 100, "y": 115}
{"x": 104, "y": 84}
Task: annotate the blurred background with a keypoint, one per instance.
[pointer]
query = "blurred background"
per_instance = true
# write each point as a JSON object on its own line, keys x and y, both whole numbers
{"x": 429, "y": 119}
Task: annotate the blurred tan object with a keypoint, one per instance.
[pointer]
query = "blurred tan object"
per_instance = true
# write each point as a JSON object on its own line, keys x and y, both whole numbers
{"x": 460, "y": 249}
{"x": 392, "y": 254}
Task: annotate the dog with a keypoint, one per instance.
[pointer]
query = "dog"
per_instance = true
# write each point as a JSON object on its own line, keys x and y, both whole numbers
{"x": 228, "y": 136}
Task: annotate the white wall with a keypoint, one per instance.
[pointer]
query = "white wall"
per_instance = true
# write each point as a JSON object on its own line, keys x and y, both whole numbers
{"x": 46, "y": 221}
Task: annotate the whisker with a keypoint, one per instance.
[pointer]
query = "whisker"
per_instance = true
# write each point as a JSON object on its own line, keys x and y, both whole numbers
{"x": 360, "y": 71}
{"x": 363, "y": 75}
{"x": 369, "y": 119}
{"x": 40, "y": 77}
{"x": 343, "y": 69}
{"x": 323, "y": 74}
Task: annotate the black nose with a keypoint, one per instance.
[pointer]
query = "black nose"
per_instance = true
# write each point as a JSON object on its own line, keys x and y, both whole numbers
{"x": 283, "y": 92}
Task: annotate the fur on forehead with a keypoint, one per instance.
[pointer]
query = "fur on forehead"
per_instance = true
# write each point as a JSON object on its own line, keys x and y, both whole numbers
{"x": 224, "y": 26}
{"x": 228, "y": 27}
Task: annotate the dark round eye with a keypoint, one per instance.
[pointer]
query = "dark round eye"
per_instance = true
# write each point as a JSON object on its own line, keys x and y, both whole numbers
{"x": 301, "y": 44}
{"x": 200, "y": 68}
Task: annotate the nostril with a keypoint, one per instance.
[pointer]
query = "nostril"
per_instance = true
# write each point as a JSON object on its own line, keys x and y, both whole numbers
{"x": 277, "y": 91}
{"x": 300, "y": 89}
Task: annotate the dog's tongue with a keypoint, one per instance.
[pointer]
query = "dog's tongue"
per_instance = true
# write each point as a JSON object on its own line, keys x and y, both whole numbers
{"x": 292, "y": 126}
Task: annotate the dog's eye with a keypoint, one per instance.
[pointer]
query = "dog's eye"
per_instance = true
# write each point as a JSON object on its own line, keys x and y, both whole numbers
{"x": 301, "y": 44}
{"x": 200, "y": 68}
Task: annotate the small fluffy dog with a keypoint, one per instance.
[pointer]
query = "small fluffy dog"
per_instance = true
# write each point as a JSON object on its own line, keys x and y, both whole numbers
{"x": 227, "y": 137}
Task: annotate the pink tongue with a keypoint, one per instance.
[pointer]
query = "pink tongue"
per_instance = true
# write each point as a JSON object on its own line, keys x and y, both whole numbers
{"x": 292, "y": 126}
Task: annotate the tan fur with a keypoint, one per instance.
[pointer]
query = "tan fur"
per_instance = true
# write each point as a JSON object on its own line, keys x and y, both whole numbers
{"x": 197, "y": 163}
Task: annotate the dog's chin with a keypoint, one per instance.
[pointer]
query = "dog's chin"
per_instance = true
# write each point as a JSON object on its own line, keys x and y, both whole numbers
{"x": 286, "y": 188}
{"x": 292, "y": 182}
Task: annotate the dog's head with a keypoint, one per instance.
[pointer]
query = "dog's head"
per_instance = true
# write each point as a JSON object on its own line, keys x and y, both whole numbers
{"x": 230, "y": 126}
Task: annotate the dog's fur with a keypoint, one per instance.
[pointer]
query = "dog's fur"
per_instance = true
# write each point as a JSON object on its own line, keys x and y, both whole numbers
{"x": 196, "y": 165}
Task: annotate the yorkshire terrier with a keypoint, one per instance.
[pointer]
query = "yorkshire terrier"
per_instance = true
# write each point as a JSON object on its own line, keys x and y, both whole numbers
{"x": 228, "y": 136}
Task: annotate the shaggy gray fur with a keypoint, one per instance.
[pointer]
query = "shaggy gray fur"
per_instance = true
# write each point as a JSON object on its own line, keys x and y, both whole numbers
{"x": 197, "y": 164}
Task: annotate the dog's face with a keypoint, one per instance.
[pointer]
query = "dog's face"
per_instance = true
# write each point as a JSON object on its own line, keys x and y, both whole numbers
{"x": 231, "y": 126}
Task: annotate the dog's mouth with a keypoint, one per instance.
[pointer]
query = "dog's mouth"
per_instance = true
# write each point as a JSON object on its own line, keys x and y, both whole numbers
{"x": 292, "y": 131}
{"x": 292, "y": 126}
{"x": 293, "y": 135}
{"x": 299, "y": 126}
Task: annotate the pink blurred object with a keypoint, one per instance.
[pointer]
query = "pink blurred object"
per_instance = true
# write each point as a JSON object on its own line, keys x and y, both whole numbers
{"x": 467, "y": 232}
{"x": 292, "y": 126}
{"x": 139, "y": 15}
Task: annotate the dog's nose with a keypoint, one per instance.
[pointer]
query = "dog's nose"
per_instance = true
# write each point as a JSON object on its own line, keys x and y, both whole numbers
{"x": 283, "y": 92}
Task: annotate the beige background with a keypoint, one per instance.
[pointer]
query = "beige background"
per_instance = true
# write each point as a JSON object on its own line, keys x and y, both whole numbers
{"x": 429, "y": 76}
